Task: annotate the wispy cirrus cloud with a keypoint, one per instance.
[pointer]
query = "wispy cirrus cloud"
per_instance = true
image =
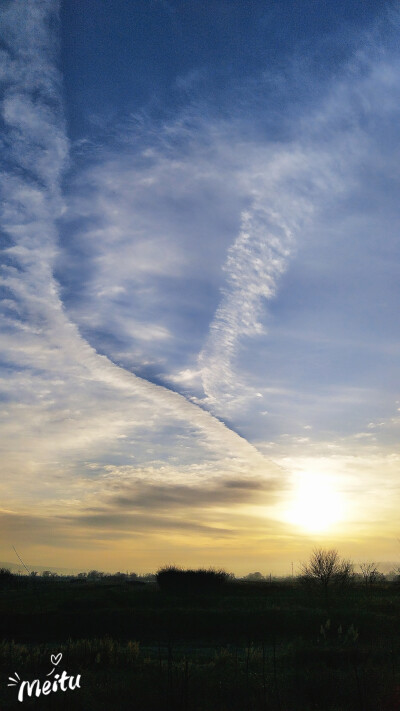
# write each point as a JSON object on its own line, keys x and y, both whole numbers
{"x": 240, "y": 216}
{"x": 63, "y": 400}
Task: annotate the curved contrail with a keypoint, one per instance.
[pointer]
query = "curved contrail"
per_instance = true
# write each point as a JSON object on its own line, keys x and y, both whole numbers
{"x": 37, "y": 155}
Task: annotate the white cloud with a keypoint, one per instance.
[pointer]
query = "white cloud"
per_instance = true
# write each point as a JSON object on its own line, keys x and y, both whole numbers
{"x": 187, "y": 376}
{"x": 298, "y": 192}
{"x": 65, "y": 400}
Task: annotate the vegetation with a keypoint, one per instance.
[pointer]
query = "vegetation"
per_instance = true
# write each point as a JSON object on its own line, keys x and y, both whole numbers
{"x": 248, "y": 645}
{"x": 177, "y": 580}
{"x": 371, "y": 574}
{"x": 326, "y": 568}
{"x": 6, "y": 576}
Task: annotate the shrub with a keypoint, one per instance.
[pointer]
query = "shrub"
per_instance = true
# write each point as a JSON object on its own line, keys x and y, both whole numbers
{"x": 6, "y": 576}
{"x": 177, "y": 580}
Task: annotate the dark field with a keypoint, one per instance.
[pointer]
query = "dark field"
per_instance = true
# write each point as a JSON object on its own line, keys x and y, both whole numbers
{"x": 247, "y": 647}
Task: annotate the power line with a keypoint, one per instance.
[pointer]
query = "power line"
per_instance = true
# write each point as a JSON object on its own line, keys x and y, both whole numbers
{"x": 19, "y": 557}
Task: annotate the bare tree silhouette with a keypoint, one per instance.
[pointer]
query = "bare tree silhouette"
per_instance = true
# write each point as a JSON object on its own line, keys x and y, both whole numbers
{"x": 370, "y": 573}
{"x": 326, "y": 568}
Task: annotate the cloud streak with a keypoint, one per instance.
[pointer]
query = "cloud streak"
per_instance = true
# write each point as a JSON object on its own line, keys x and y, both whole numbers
{"x": 60, "y": 376}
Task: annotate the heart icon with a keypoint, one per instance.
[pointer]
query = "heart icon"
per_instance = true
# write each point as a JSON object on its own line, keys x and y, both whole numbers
{"x": 56, "y": 659}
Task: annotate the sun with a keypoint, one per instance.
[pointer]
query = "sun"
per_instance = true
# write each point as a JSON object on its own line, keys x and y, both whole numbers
{"x": 316, "y": 505}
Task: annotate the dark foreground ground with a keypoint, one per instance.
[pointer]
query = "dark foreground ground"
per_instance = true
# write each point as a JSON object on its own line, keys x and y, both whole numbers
{"x": 250, "y": 647}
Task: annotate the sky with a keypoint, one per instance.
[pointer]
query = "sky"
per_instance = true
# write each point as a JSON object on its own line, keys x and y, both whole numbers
{"x": 199, "y": 359}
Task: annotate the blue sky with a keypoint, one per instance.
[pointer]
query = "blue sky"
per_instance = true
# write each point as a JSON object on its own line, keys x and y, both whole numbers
{"x": 200, "y": 281}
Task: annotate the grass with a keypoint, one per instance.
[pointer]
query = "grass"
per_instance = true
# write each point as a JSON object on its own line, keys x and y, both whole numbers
{"x": 246, "y": 646}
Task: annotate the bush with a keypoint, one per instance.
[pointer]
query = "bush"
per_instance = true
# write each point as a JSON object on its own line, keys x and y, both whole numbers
{"x": 173, "y": 579}
{"x": 6, "y": 576}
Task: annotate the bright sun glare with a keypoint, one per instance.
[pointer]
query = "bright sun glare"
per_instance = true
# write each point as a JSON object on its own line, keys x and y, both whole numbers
{"x": 316, "y": 506}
